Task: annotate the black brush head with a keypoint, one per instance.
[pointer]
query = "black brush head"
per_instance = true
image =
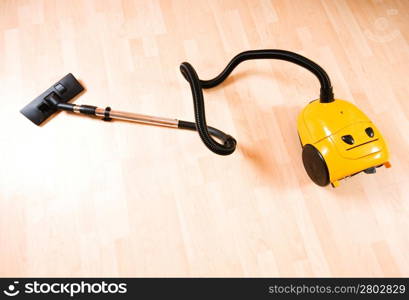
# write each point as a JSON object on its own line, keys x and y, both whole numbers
{"x": 38, "y": 110}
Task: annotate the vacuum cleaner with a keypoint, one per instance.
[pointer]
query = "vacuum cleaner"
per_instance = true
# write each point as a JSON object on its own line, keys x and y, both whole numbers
{"x": 338, "y": 140}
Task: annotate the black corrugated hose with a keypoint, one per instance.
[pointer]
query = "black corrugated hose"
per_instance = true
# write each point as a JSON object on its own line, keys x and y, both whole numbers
{"x": 229, "y": 143}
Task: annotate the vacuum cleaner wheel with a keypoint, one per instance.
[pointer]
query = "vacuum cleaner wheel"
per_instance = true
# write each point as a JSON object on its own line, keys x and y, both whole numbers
{"x": 315, "y": 165}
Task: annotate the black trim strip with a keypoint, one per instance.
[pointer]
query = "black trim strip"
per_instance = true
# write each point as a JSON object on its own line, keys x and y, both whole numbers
{"x": 362, "y": 144}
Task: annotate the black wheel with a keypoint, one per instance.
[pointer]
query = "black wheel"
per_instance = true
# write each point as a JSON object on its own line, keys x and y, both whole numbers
{"x": 315, "y": 165}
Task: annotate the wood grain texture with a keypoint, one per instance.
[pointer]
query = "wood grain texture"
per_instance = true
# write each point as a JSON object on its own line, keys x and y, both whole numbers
{"x": 81, "y": 197}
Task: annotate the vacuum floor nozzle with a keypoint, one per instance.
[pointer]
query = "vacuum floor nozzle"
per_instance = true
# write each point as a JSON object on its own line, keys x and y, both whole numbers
{"x": 38, "y": 110}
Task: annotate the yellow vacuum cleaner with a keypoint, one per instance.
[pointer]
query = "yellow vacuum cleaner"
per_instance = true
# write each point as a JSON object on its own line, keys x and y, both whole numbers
{"x": 338, "y": 140}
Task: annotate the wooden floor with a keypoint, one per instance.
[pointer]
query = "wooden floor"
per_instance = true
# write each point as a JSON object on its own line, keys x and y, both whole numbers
{"x": 81, "y": 197}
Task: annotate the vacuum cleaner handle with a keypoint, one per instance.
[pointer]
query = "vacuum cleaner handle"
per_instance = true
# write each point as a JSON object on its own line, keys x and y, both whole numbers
{"x": 56, "y": 98}
{"x": 108, "y": 114}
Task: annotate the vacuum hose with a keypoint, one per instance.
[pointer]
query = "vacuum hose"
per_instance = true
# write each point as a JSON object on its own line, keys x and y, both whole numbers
{"x": 196, "y": 85}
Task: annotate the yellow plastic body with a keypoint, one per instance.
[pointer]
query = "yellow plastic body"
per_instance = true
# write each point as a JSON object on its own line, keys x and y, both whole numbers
{"x": 323, "y": 124}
